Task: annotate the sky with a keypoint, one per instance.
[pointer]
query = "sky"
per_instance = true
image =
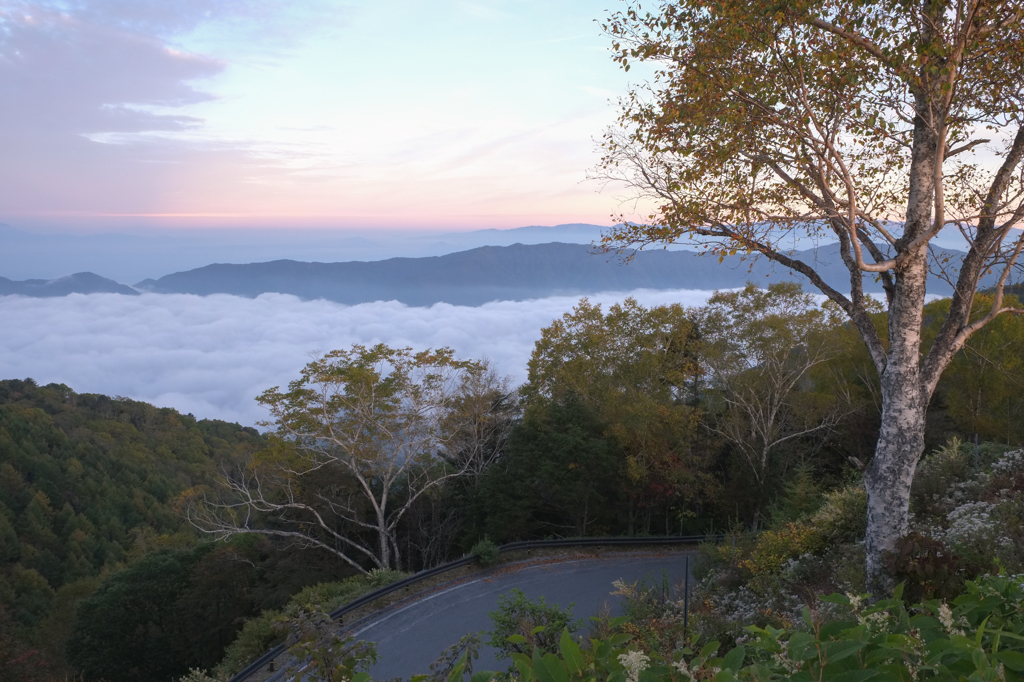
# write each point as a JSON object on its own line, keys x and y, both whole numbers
{"x": 455, "y": 114}
{"x": 212, "y": 355}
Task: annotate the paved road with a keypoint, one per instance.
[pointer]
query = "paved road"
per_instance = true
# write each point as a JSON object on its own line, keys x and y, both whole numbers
{"x": 411, "y": 637}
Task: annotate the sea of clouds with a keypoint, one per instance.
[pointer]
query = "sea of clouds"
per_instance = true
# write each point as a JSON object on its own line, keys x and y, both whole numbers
{"x": 212, "y": 355}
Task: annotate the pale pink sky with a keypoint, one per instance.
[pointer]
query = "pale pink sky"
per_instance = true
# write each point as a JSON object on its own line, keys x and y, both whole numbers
{"x": 313, "y": 113}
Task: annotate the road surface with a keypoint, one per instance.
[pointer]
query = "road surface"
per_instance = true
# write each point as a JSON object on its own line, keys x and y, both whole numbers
{"x": 411, "y": 636}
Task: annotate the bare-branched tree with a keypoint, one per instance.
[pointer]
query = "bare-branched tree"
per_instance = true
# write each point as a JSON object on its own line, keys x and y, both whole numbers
{"x": 761, "y": 347}
{"x": 362, "y": 435}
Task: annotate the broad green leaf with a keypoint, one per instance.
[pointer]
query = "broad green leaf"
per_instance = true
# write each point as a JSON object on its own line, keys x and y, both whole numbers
{"x": 552, "y": 669}
{"x": 801, "y": 647}
{"x": 456, "y": 674}
{"x": 485, "y": 676}
{"x": 538, "y": 667}
{"x": 725, "y": 675}
{"x": 835, "y": 629}
{"x": 925, "y": 622}
{"x": 979, "y": 659}
{"x": 571, "y": 653}
{"x": 837, "y": 651}
{"x": 854, "y": 676}
{"x": 709, "y": 649}
{"x": 876, "y": 656}
{"x": 524, "y": 665}
{"x": 620, "y": 638}
{"x": 1014, "y": 660}
{"x": 515, "y": 639}
{"x": 734, "y": 659}
{"x": 981, "y": 632}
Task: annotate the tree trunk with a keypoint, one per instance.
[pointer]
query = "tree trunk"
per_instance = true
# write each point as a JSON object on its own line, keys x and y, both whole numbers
{"x": 901, "y": 435}
{"x": 887, "y": 482}
{"x": 904, "y": 396}
{"x": 384, "y": 541}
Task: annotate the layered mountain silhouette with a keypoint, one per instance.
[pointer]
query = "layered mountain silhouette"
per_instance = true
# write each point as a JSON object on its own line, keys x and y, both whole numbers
{"x": 78, "y": 283}
{"x": 489, "y": 273}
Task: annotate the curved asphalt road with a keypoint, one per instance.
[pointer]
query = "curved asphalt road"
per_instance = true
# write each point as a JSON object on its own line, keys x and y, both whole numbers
{"x": 410, "y": 637}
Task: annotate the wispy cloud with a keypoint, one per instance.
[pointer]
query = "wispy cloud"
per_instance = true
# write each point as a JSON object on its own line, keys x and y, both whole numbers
{"x": 393, "y": 112}
{"x": 62, "y": 74}
{"x": 213, "y": 355}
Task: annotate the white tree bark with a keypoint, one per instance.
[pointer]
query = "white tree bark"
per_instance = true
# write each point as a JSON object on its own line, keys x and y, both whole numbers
{"x": 859, "y": 121}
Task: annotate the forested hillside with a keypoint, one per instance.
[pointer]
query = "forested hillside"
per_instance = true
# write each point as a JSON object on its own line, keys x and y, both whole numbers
{"x": 87, "y": 484}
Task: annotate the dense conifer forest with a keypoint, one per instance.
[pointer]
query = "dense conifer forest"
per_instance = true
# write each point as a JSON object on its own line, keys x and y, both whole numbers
{"x": 88, "y": 487}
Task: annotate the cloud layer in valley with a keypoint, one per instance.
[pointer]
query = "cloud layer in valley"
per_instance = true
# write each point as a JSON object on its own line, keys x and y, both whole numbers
{"x": 213, "y": 355}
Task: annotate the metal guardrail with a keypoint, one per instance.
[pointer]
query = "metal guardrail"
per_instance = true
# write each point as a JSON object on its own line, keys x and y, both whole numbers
{"x": 465, "y": 561}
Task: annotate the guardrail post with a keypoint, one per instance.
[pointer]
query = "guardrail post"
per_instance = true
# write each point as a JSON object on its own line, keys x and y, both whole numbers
{"x": 686, "y": 600}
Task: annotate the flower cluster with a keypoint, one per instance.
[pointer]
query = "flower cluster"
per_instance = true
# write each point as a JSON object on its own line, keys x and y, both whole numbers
{"x": 634, "y": 662}
{"x": 1009, "y": 462}
{"x": 948, "y": 622}
{"x": 684, "y": 670}
{"x": 970, "y": 521}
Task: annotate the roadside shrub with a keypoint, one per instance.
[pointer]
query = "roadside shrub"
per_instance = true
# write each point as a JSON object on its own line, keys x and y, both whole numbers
{"x": 376, "y": 579}
{"x": 257, "y": 635}
{"x": 722, "y": 560}
{"x": 197, "y": 675}
{"x": 262, "y": 632}
{"x": 979, "y": 638}
{"x": 485, "y": 551}
{"x": 936, "y": 473}
{"x": 329, "y": 596}
{"x": 847, "y": 562}
{"x": 842, "y": 516}
{"x": 528, "y": 624}
{"x": 775, "y": 547}
{"x": 927, "y": 568}
{"x": 801, "y": 497}
{"x": 458, "y": 655}
{"x": 326, "y": 655}
{"x": 645, "y": 599}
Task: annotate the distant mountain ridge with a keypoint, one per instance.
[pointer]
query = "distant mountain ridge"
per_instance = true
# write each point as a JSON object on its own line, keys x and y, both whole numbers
{"x": 474, "y": 277}
{"x": 489, "y": 273}
{"x": 78, "y": 283}
{"x": 130, "y": 257}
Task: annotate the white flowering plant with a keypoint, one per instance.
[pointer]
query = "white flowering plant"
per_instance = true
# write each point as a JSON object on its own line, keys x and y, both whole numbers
{"x": 975, "y": 512}
{"x": 979, "y": 637}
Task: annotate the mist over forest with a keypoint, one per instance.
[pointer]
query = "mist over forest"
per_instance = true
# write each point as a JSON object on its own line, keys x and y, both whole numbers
{"x": 212, "y": 355}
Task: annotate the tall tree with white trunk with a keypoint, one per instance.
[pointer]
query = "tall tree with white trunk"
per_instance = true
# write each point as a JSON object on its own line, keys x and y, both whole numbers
{"x": 878, "y": 123}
